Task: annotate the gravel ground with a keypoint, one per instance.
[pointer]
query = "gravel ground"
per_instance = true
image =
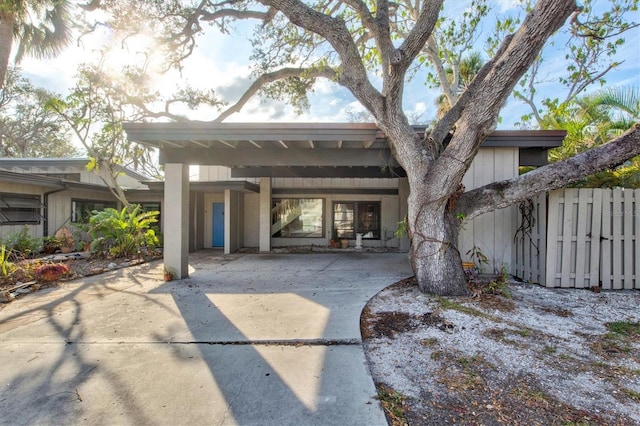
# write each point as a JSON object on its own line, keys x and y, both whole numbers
{"x": 538, "y": 356}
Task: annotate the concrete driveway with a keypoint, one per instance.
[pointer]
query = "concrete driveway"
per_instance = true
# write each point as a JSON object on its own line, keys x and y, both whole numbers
{"x": 269, "y": 339}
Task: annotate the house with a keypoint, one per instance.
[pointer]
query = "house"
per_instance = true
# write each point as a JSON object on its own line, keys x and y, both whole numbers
{"x": 280, "y": 184}
{"x": 44, "y": 194}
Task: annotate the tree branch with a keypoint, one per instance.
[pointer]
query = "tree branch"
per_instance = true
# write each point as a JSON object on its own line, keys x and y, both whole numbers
{"x": 353, "y": 72}
{"x": 478, "y": 114}
{"x": 498, "y": 195}
{"x": 238, "y": 14}
{"x": 420, "y": 33}
{"x": 267, "y": 78}
{"x": 446, "y": 123}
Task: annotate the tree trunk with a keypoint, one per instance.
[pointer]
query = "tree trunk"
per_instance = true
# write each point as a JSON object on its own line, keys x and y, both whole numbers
{"x": 6, "y": 42}
{"x": 434, "y": 254}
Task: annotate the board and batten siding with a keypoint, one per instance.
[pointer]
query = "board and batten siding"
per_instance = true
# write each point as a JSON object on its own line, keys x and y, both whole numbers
{"x": 492, "y": 232}
{"x": 60, "y": 205}
{"x": 215, "y": 174}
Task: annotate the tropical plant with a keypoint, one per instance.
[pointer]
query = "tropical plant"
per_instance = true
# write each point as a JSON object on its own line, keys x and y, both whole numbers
{"x": 590, "y": 121}
{"x": 40, "y": 28}
{"x": 5, "y": 265}
{"x": 122, "y": 233}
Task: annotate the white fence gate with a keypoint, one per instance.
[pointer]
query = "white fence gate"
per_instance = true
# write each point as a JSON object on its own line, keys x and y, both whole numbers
{"x": 592, "y": 238}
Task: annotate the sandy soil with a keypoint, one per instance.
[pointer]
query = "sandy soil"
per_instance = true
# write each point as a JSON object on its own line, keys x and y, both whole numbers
{"x": 536, "y": 356}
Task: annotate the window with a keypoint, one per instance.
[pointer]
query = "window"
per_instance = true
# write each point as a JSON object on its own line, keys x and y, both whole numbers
{"x": 19, "y": 208}
{"x": 351, "y": 218}
{"x": 297, "y": 218}
{"x": 81, "y": 209}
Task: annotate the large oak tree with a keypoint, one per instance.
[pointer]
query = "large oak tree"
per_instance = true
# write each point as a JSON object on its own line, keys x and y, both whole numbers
{"x": 372, "y": 48}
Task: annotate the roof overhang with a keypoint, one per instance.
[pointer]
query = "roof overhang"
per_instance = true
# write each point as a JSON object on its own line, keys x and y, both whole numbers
{"x": 54, "y": 183}
{"x": 77, "y": 162}
{"x": 217, "y": 186}
{"x": 304, "y": 149}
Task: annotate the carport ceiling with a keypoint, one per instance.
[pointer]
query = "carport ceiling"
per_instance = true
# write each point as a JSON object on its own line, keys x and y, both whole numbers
{"x": 301, "y": 149}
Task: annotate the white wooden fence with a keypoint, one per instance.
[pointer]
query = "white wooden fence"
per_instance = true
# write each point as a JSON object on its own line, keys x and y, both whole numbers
{"x": 592, "y": 238}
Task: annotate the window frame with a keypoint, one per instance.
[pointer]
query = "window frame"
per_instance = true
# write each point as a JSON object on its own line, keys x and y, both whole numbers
{"x": 74, "y": 201}
{"x": 356, "y": 213}
{"x": 35, "y": 209}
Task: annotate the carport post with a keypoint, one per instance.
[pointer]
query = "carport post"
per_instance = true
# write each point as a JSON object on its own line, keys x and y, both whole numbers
{"x": 176, "y": 219}
{"x": 265, "y": 214}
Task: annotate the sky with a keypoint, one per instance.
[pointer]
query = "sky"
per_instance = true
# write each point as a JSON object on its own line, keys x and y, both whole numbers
{"x": 220, "y": 62}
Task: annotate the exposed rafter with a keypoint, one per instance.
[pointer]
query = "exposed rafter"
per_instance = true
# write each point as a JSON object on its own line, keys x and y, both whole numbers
{"x": 229, "y": 144}
{"x": 200, "y": 143}
{"x": 164, "y": 143}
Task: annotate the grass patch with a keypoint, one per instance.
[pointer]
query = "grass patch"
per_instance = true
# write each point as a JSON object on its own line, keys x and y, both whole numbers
{"x": 429, "y": 342}
{"x": 448, "y": 304}
{"x": 393, "y": 403}
{"x": 624, "y": 328}
{"x": 632, "y": 394}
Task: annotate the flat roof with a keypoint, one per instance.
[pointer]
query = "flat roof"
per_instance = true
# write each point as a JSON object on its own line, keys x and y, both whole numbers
{"x": 79, "y": 162}
{"x": 259, "y": 146}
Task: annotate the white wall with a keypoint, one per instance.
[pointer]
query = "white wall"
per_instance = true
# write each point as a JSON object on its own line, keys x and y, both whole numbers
{"x": 218, "y": 173}
{"x": 491, "y": 232}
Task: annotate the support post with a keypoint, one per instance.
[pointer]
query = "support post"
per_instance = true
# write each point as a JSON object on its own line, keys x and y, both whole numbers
{"x": 176, "y": 223}
{"x": 265, "y": 214}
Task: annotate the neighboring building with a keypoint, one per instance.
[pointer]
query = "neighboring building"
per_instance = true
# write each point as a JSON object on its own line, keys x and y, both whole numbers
{"x": 281, "y": 184}
{"x": 45, "y": 194}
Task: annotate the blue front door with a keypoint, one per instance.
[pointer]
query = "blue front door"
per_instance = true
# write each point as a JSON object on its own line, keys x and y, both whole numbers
{"x": 217, "y": 237}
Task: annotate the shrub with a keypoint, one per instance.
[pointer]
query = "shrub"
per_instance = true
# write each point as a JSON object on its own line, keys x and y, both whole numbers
{"x": 123, "y": 233}
{"x": 51, "y": 271}
{"x": 21, "y": 244}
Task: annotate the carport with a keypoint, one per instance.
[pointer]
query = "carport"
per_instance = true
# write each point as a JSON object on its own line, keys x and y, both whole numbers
{"x": 258, "y": 152}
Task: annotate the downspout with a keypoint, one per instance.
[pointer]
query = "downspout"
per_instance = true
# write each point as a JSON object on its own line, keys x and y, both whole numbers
{"x": 45, "y": 222}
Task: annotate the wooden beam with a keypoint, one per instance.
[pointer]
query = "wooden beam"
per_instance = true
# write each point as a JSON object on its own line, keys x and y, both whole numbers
{"x": 202, "y": 144}
{"x": 282, "y": 157}
{"x": 164, "y": 143}
{"x": 229, "y": 144}
{"x": 321, "y": 172}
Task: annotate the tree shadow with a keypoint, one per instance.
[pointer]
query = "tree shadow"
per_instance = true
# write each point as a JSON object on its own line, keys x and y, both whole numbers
{"x": 282, "y": 379}
{"x": 45, "y": 378}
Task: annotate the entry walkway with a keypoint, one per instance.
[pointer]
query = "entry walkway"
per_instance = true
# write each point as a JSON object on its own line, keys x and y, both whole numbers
{"x": 266, "y": 339}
